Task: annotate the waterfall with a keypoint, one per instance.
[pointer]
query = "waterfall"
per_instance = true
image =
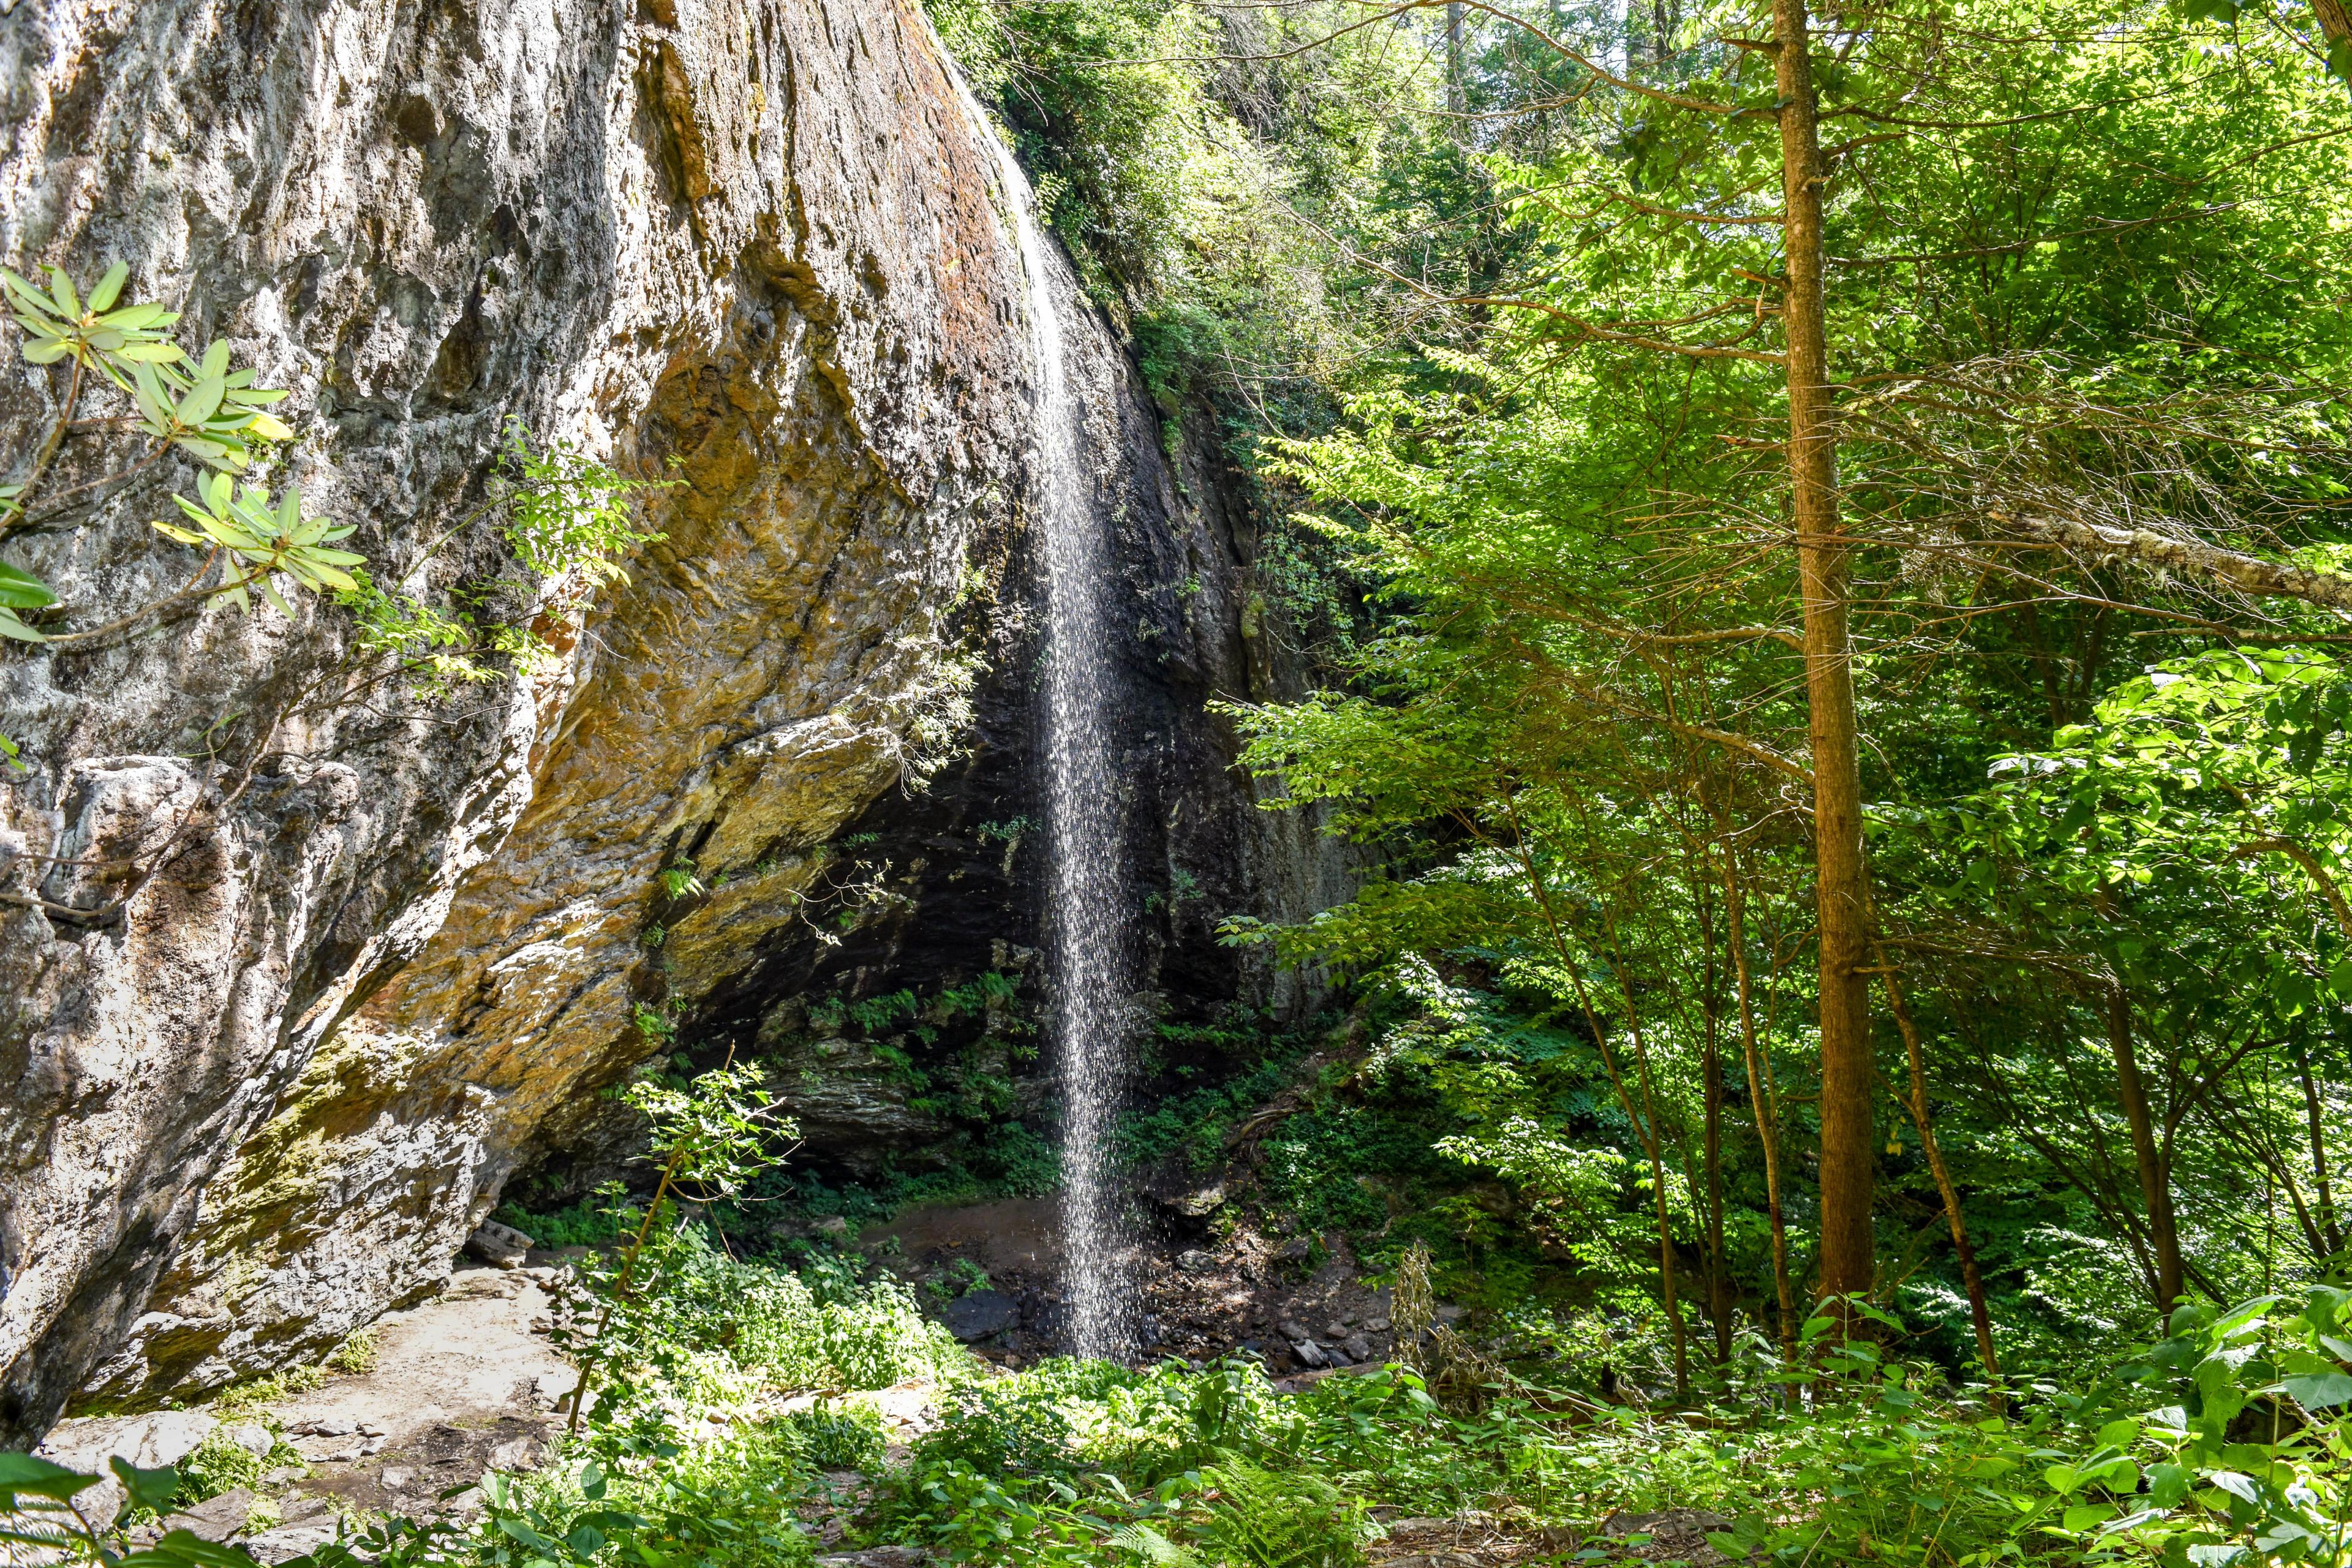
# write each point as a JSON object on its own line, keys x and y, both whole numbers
{"x": 1086, "y": 892}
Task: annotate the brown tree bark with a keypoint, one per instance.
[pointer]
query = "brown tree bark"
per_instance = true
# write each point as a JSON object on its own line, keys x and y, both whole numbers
{"x": 1718, "y": 1276}
{"x": 1759, "y": 1096}
{"x": 2331, "y": 1234}
{"x": 1971, "y": 1277}
{"x": 1848, "y": 1171}
{"x": 2155, "y": 1181}
{"x": 2335, "y": 21}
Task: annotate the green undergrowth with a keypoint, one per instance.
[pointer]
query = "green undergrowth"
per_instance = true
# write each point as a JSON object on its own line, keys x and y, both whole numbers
{"x": 2220, "y": 1445}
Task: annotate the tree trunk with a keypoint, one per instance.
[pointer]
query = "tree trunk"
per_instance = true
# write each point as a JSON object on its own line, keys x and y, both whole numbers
{"x": 1644, "y": 1124}
{"x": 2330, "y": 1232}
{"x": 2335, "y": 24}
{"x": 2155, "y": 1182}
{"x": 1674, "y": 1324}
{"x": 1455, "y": 98}
{"x": 1848, "y": 1153}
{"x": 1718, "y": 1276}
{"x": 1972, "y": 1278}
{"x": 1768, "y": 1123}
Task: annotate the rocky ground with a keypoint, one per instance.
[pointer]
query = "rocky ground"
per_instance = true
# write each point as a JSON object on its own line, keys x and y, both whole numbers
{"x": 990, "y": 1272}
{"x": 462, "y": 1383}
{"x": 467, "y": 1381}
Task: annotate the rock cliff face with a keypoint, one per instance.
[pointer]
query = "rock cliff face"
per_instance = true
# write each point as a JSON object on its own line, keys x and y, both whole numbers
{"x": 393, "y": 943}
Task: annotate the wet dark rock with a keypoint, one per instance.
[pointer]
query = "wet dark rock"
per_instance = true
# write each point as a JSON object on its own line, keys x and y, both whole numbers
{"x": 978, "y": 1314}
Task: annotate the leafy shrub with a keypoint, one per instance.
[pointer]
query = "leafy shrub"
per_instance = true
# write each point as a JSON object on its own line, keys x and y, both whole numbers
{"x": 1025, "y": 1424}
{"x": 770, "y": 1322}
{"x": 840, "y": 1435}
{"x": 588, "y": 1223}
{"x": 218, "y": 1465}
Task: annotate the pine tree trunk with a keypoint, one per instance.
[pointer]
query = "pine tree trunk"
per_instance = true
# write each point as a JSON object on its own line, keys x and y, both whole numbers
{"x": 1848, "y": 1171}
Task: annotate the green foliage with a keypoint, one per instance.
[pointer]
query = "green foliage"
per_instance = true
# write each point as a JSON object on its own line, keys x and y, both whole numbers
{"x": 1273, "y": 1519}
{"x": 218, "y": 1465}
{"x": 840, "y": 1435}
{"x": 260, "y": 1392}
{"x": 356, "y": 1355}
{"x": 571, "y": 515}
{"x": 270, "y": 540}
{"x": 569, "y": 518}
{"x": 20, "y": 591}
{"x": 586, "y": 1223}
{"x": 206, "y": 409}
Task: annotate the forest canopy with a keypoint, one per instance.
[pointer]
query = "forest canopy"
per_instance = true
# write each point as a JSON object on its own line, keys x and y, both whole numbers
{"x": 1824, "y": 537}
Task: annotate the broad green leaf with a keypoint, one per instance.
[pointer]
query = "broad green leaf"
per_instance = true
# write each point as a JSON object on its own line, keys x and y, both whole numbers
{"x": 203, "y": 400}
{"x": 27, "y": 1476}
{"x": 20, "y": 590}
{"x": 136, "y": 318}
{"x": 185, "y": 1549}
{"x": 2082, "y": 1516}
{"x": 108, "y": 287}
{"x": 29, "y": 297}
{"x": 61, "y": 289}
{"x": 147, "y": 1488}
{"x": 2320, "y": 1390}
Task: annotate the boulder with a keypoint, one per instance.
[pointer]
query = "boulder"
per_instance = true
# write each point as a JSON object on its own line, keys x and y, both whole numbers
{"x": 499, "y": 1246}
{"x": 980, "y": 1313}
{"x": 1198, "y": 1204}
{"x": 150, "y": 1442}
{"x": 216, "y": 1518}
{"x": 253, "y": 1438}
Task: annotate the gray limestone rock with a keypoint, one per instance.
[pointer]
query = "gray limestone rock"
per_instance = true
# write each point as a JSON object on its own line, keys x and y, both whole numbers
{"x": 383, "y": 949}
{"x": 499, "y": 1246}
{"x": 216, "y": 1518}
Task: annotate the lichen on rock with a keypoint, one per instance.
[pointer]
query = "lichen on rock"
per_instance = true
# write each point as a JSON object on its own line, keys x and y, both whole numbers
{"x": 751, "y": 248}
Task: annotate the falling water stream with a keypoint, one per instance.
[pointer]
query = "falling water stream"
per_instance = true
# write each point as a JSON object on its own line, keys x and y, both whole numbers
{"x": 1084, "y": 885}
